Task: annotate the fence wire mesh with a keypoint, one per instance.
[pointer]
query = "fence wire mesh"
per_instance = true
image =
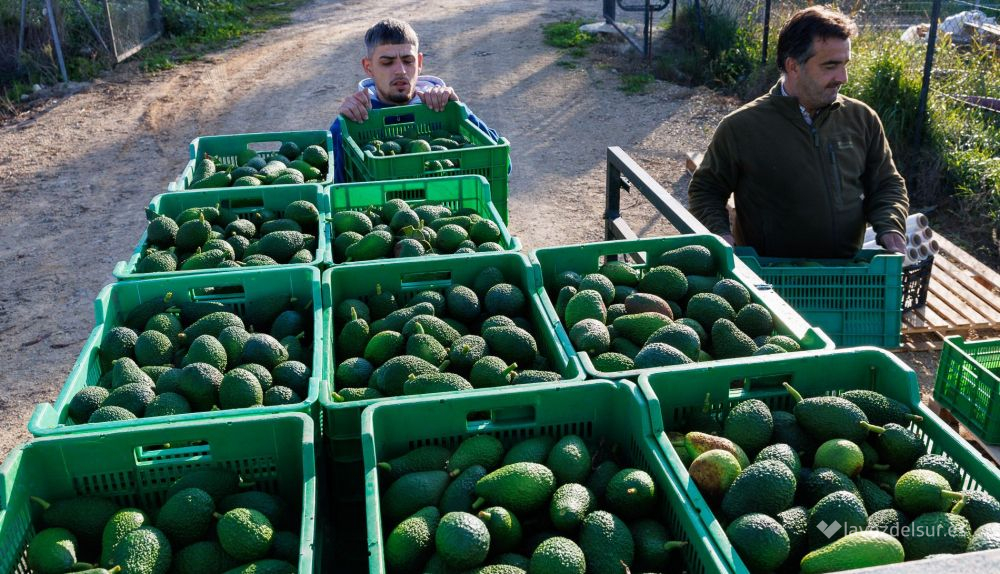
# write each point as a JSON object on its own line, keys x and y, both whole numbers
{"x": 28, "y": 48}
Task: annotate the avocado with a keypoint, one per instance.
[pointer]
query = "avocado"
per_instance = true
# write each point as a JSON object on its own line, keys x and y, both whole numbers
{"x": 749, "y": 424}
{"x": 760, "y": 541}
{"x": 411, "y": 492}
{"x": 569, "y": 460}
{"x": 244, "y": 534}
{"x": 504, "y": 528}
{"x": 767, "y": 487}
{"x": 856, "y": 550}
{"x": 521, "y": 487}
{"x": 462, "y": 540}
{"x": 411, "y": 542}
{"x": 606, "y": 543}
{"x": 558, "y": 555}
{"x": 842, "y": 508}
{"x": 186, "y": 516}
{"x": 144, "y": 550}
{"x": 52, "y": 551}
{"x": 630, "y": 494}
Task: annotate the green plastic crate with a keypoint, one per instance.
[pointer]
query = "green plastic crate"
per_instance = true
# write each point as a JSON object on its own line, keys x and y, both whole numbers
{"x": 673, "y": 395}
{"x": 135, "y": 467}
{"x": 236, "y": 290}
{"x": 488, "y": 158}
{"x": 225, "y": 148}
{"x": 968, "y": 384}
{"x": 342, "y": 421}
{"x": 593, "y": 410}
{"x": 855, "y": 304}
{"x": 588, "y": 258}
{"x": 453, "y": 192}
{"x": 241, "y": 200}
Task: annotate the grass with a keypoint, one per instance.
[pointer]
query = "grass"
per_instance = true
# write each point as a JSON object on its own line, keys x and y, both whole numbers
{"x": 635, "y": 83}
{"x": 567, "y": 35}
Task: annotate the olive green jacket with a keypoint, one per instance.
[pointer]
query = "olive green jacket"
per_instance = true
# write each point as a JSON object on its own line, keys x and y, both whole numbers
{"x": 800, "y": 190}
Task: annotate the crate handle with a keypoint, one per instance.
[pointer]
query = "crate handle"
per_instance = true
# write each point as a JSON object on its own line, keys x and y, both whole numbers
{"x": 514, "y": 415}
{"x": 164, "y": 453}
{"x": 635, "y": 259}
{"x": 243, "y": 205}
{"x": 229, "y": 294}
{"x": 768, "y": 381}
{"x": 406, "y": 194}
{"x": 399, "y": 119}
{"x": 264, "y": 146}
{"x": 421, "y": 280}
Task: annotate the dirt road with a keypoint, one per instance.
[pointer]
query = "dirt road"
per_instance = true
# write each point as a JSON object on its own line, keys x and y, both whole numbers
{"x": 74, "y": 180}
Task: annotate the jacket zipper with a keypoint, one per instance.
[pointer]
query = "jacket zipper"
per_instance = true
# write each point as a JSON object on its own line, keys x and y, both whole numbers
{"x": 836, "y": 171}
{"x": 831, "y": 202}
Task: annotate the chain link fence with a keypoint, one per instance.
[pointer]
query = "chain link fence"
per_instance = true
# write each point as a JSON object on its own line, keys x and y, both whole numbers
{"x": 77, "y": 38}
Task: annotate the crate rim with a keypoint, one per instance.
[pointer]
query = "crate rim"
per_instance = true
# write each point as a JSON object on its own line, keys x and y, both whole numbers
{"x": 308, "y": 529}
{"x": 758, "y": 288}
{"x": 125, "y": 270}
{"x": 44, "y": 420}
{"x": 622, "y": 386}
{"x": 869, "y": 353}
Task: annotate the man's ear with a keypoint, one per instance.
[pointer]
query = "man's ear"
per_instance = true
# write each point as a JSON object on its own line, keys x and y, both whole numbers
{"x": 366, "y": 65}
{"x": 791, "y": 65}
{"x": 420, "y": 62}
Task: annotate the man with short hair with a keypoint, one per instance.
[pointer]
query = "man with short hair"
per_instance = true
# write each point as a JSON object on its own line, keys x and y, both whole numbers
{"x": 808, "y": 167}
{"x": 393, "y": 63}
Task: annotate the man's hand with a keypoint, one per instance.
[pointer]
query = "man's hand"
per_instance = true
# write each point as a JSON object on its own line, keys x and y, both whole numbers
{"x": 893, "y": 241}
{"x": 355, "y": 107}
{"x": 437, "y": 97}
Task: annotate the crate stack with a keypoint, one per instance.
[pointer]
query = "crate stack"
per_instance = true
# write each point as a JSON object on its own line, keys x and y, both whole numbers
{"x": 345, "y": 494}
{"x": 263, "y": 452}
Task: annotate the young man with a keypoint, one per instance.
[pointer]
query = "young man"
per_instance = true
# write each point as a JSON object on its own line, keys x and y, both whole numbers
{"x": 393, "y": 64}
{"x": 808, "y": 166}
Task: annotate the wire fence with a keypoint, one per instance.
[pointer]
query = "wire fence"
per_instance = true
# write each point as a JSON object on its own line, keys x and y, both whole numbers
{"x": 46, "y": 41}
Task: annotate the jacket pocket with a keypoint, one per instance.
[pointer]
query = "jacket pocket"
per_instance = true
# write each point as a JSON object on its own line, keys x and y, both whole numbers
{"x": 846, "y": 194}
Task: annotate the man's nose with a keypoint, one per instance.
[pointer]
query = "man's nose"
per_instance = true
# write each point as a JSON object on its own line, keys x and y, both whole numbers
{"x": 841, "y": 75}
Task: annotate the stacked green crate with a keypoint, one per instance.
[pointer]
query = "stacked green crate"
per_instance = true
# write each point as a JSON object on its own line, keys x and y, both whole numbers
{"x": 404, "y": 278}
{"x": 134, "y": 467}
{"x": 968, "y": 384}
{"x": 483, "y": 157}
{"x": 675, "y": 395}
{"x": 457, "y": 193}
{"x": 228, "y": 149}
{"x": 250, "y": 291}
{"x": 596, "y": 411}
{"x": 855, "y": 301}
{"x": 241, "y": 202}
{"x": 588, "y": 258}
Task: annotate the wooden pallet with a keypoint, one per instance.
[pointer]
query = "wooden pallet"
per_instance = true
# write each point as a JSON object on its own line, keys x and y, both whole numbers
{"x": 963, "y": 298}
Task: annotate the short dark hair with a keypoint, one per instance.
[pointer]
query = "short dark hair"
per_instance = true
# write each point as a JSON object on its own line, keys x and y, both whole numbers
{"x": 797, "y": 35}
{"x": 390, "y": 31}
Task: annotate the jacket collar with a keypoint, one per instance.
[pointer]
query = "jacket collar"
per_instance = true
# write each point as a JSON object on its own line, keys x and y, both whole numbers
{"x": 789, "y": 105}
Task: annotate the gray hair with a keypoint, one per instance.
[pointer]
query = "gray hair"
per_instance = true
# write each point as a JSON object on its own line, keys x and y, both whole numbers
{"x": 390, "y": 31}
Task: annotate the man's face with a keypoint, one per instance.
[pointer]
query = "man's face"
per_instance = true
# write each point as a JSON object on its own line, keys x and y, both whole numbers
{"x": 395, "y": 68}
{"x": 817, "y": 82}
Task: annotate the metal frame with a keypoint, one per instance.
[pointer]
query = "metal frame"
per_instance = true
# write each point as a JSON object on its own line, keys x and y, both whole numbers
{"x": 624, "y": 174}
{"x": 647, "y": 8}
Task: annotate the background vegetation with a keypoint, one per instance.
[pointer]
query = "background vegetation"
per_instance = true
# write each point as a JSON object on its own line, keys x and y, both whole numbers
{"x": 190, "y": 28}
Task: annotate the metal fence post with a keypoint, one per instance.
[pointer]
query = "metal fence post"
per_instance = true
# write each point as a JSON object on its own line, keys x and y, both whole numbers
{"x": 767, "y": 28}
{"x": 928, "y": 66}
{"x": 55, "y": 40}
